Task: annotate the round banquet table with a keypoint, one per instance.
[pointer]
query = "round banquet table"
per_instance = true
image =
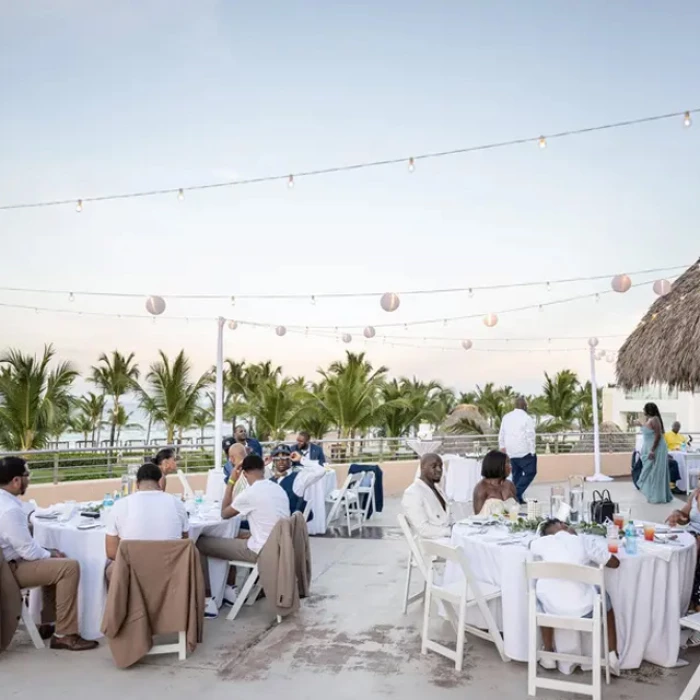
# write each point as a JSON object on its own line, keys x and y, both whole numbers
{"x": 88, "y": 548}
{"x": 650, "y": 592}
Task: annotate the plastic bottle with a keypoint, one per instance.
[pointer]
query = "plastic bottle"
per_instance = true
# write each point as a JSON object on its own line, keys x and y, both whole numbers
{"x": 630, "y": 539}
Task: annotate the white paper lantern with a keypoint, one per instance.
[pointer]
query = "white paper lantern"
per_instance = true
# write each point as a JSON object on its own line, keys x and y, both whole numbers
{"x": 490, "y": 320}
{"x": 347, "y": 337}
{"x": 621, "y": 283}
{"x": 610, "y": 356}
{"x": 155, "y": 305}
{"x": 280, "y": 330}
{"x": 233, "y": 325}
{"x": 599, "y": 354}
{"x": 593, "y": 342}
{"x": 467, "y": 344}
{"x": 662, "y": 287}
{"x": 369, "y": 332}
{"x": 390, "y": 301}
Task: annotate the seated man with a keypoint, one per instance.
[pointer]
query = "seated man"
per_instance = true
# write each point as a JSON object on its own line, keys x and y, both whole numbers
{"x": 262, "y": 504}
{"x": 306, "y": 448}
{"x": 236, "y": 455}
{"x": 147, "y": 514}
{"x": 294, "y": 480}
{"x": 240, "y": 435}
{"x": 424, "y": 504}
{"x": 675, "y": 443}
{"x": 33, "y": 566}
{"x": 559, "y": 543}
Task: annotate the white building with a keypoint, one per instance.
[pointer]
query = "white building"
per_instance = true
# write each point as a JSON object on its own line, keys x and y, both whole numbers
{"x": 624, "y": 407}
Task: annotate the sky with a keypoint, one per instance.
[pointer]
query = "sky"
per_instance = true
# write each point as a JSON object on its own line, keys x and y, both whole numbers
{"x": 102, "y": 97}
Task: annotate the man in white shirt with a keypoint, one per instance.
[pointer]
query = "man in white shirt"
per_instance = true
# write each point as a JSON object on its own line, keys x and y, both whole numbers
{"x": 560, "y": 544}
{"x": 33, "y": 566}
{"x": 263, "y": 503}
{"x": 295, "y": 480}
{"x": 424, "y": 504}
{"x": 517, "y": 439}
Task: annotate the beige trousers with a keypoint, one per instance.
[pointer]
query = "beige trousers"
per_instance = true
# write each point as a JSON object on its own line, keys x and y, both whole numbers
{"x": 225, "y": 548}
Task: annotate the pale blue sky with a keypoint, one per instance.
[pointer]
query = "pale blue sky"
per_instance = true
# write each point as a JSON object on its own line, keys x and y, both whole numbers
{"x": 105, "y": 97}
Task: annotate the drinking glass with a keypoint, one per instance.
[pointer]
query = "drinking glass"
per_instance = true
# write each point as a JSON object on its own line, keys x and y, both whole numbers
{"x": 619, "y": 520}
{"x": 557, "y": 494}
{"x": 199, "y": 497}
{"x": 576, "y": 499}
{"x": 613, "y": 538}
{"x": 649, "y": 532}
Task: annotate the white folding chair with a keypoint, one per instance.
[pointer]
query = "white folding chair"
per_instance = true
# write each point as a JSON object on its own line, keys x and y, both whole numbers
{"x": 596, "y": 626}
{"x": 458, "y": 597}
{"x": 186, "y": 488}
{"x": 415, "y": 558}
{"x": 250, "y": 591}
{"x": 692, "y": 622}
{"x": 179, "y": 648}
{"x": 366, "y": 488}
{"x": 28, "y": 621}
{"x": 347, "y": 497}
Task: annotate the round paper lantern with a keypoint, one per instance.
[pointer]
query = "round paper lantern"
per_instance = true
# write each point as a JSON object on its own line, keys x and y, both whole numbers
{"x": 369, "y": 332}
{"x": 662, "y": 287}
{"x": 621, "y": 283}
{"x": 610, "y": 356}
{"x": 233, "y": 325}
{"x": 593, "y": 342}
{"x": 280, "y": 330}
{"x": 467, "y": 344}
{"x": 346, "y": 337}
{"x": 490, "y": 320}
{"x": 155, "y": 305}
{"x": 600, "y": 354}
{"x": 390, "y": 301}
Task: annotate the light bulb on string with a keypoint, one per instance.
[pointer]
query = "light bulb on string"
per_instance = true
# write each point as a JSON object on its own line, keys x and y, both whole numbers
{"x": 540, "y": 308}
{"x": 313, "y": 300}
{"x": 290, "y": 182}
{"x": 542, "y": 142}
{"x": 549, "y": 287}
{"x": 71, "y": 297}
{"x": 79, "y": 206}
{"x": 233, "y": 325}
{"x": 233, "y": 301}
{"x": 471, "y": 293}
{"x": 687, "y": 121}
{"x": 280, "y": 330}
{"x": 597, "y": 298}
{"x": 411, "y": 165}
{"x": 180, "y": 194}
{"x": 444, "y": 323}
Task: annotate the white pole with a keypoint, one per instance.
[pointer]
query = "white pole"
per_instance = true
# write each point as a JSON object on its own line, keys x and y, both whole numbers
{"x": 219, "y": 407}
{"x": 598, "y": 476}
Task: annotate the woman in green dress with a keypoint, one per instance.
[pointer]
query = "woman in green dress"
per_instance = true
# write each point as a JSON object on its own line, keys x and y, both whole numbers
{"x": 654, "y": 478}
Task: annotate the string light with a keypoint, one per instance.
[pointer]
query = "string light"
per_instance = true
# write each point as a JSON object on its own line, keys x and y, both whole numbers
{"x": 180, "y": 194}
{"x": 71, "y": 297}
{"x": 471, "y": 293}
{"x": 313, "y": 300}
{"x": 549, "y": 287}
{"x": 411, "y": 165}
{"x": 361, "y": 165}
{"x": 687, "y": 121}
{"x": 290, "y": 182}
{"x": 232, "y": 325}
{"x": 233, "y": 301}
{"x": 597, "y": 298}
{"x": 79, "y": 206}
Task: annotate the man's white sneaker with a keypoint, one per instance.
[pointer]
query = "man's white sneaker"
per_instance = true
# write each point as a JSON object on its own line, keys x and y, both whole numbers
{"x": 548, "y": 664}
{"x": 210, "y": 609}
{"x": 693, "y": 640}
{"x": 614, "y": 663}
{"x": 230, "y": 595}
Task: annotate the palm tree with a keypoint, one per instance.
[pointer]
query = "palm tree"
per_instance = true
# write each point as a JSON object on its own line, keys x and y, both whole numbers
{"x": 561, "y": 395}
{"x": 493, "y": 403}
{"x": 88, "y": 420}
{"x": 32, "y": 398}
{"x": 116, "y": 375}
{"x": 406, "y": 404}
{"x": 315, "y": 419}
{"x": 584, "y": 407}
{"x": 202, "y": 419}
{"x": 120, "y": 419}
{"x": 276, "y": 406}
{"x": 174, "y": 398}
{"x": 234, "y": 390}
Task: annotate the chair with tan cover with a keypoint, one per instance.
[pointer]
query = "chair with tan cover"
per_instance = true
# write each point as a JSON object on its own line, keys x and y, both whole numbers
{"x": 156, "y": 588}
{"x": 14, "y": 609}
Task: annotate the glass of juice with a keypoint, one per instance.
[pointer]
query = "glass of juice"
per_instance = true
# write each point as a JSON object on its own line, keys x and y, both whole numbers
{"x": 613, "y": 545}
{"x": 619, "y": 520}
{"x": 649, "y": 532}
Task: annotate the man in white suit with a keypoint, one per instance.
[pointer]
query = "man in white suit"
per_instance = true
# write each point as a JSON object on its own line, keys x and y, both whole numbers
{"x": 424, "y": 504}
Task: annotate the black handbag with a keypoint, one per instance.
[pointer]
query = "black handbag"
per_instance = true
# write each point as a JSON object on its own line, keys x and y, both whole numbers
{"x": 602, "y": 507}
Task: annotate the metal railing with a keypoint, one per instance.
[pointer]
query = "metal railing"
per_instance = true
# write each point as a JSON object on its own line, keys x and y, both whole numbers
{"x": 60, "y": 464}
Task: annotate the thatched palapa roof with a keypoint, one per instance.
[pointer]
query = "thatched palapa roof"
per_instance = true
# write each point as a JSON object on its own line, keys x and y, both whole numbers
{"x": 664, "y": 349}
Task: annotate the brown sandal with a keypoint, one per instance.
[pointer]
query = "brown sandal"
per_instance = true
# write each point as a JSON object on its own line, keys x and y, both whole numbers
{"x": 72, "y": 642}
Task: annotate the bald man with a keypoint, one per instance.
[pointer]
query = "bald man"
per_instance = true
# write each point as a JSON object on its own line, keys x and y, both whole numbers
{"x": 517, "y": 439}
{"x": 236, "y": 454}
{"x": 424, "y": 504}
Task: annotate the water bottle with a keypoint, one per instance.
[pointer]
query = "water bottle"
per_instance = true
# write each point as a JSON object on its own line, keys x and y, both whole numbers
{"x": 631, "y": 539}
{"x": 107, "y": 501}
{"x": 125, "y": 485}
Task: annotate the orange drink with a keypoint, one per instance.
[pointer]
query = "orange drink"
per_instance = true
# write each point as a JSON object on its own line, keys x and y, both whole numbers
{"x": 613, "y": 545}
{"x": 619, "y": 520}
{"x": 649, "y": 532}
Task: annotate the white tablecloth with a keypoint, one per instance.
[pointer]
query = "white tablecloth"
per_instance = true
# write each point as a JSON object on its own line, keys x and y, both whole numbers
{"x": 649, "y": 595}
{"x": 88, "y": 547}
{"x": 685, "y": 460}
{"x": 423, "y": 447}
{"x": 463, "y": 474}
{"x": 316, "y": 494}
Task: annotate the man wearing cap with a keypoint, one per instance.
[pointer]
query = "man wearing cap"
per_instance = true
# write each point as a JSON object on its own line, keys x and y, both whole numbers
{"x": 294, "y": 480}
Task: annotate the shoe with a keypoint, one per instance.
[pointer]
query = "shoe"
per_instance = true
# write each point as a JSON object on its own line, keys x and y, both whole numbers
{"x": 46, "y": 631}
{"x": 230, "y": 595}
{"x": 614, "y": 662}
{"x": 72, "y": 642}
{"x": 677, "y": 492}
{"x": 548, "y": 664}
{"x": 210, "y": 609}
{"x": 693, "y": 640}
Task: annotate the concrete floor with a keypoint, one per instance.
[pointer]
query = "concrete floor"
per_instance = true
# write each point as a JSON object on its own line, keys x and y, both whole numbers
{"x": 349, "y": 640}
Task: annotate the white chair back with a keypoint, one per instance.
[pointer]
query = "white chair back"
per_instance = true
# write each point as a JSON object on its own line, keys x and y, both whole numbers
{"x": 307, "y": 497}
{"x": 186, "y": 488}
{"x": 595, "y": 625}
{"x": 339, "y": 498}
{"x": 415, "y": 558}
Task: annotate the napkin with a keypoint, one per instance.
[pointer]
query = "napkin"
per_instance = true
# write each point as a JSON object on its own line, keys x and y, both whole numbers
{"x": 663, "y": 551}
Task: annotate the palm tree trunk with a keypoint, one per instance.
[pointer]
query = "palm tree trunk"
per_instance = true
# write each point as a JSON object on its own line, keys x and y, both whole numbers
{"x": 148, "y": 431}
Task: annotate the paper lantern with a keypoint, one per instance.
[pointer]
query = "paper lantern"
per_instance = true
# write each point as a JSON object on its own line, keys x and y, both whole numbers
{"x": 390, "y": 301}
{"x": 490, "y": 320}
{"x": 600, "y": 354}
{"x": 610, "y": 356}
{"x": 155, "y": 305}
{"x": 369, "y": 332}
{"x": 662, "y": 287}
{"x": 467, "y": 344}
{"x": 233, "y": 325}
{"x": 593, "y": 342}
{"x": 280, "y": 330}
{"x": 346, "y": 337}
{"x": 621, "y": 283}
